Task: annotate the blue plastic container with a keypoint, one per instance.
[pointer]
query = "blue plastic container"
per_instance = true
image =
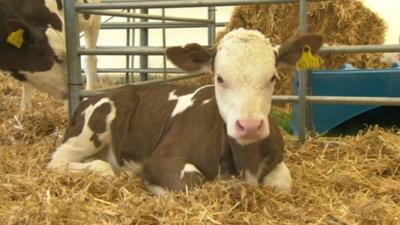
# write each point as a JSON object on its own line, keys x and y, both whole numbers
{"x": 348, "y": 81}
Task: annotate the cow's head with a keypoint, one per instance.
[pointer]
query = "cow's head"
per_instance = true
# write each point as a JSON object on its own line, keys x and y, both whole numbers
{"x": 244, "y": 67}
{"x": 29, "y": 49}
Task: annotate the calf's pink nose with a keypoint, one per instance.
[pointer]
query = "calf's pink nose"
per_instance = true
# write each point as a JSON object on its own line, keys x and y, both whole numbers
{"x": 247, "y": 128}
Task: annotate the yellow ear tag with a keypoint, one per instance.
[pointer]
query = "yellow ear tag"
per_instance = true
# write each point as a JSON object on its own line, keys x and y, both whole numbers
{"x": 307, "y": 60}
{"x": 16, "y": 38}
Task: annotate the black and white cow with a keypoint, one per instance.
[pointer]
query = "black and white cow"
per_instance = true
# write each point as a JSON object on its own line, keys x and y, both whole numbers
{"x": 177, "y": 136}
{"x": 37, "y": 55}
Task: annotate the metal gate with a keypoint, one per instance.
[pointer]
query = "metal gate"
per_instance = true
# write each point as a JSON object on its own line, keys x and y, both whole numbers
{"x": 74, "y": 51}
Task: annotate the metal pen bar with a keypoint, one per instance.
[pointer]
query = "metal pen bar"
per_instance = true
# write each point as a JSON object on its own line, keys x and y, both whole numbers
{"x": 211, "y": 26}
{"x": 303, "y": 80}
{"x": 359, "y": 49}
{"x": 88, "y": 93}
{"x": 156, "y": 25}
{"x": 122, "y": 51}
{"x": 303, "y": 75}
{"x": 144, "y": 41}
{"x": 137, "y": 70}
{"x": 174, "y": 4}
{"x": 73, "y": 58}
{"x": 144, "y": 16}
{"x": 164, "y": 41}
{"x": 128, "y": 43}
{"x": 353, "y": 100}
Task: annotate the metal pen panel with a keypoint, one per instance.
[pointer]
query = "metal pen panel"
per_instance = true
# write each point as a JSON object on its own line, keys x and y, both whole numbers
{"x": 176, "y": 4}
{"x": 145, "y": 16}
{"x": 73, "y": 58}
{"x": 156, "y": 25}
{"x": 122, "y": 51}
{"x": 144, "y": 41}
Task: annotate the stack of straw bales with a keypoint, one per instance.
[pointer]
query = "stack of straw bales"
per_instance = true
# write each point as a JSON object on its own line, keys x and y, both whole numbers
{"x": 342, "y": 22}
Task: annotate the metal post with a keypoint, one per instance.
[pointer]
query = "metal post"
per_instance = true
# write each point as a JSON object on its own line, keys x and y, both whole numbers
{"x": 144, "y": 41}
{"x": 303, "y": 84}
{"x": 73, "y": 58}
{"x": 211, "y": 27}
{"x": 128, "y": 43}
{"x": 164, "y": 41}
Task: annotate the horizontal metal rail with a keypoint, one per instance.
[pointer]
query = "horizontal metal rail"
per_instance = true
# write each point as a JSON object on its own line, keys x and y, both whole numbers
{"x": 173, "y": 4}
{"x": 340, "y": 100}
{"x": 359, "y": 49}
{"x": 160, "y": 50}
{"x": 122, "y": 51}
{"x": 156, "y": 25}
{"x": 138, "y": 70}
{"x": 145, "y": 16}
{"x": 88, "y": 93}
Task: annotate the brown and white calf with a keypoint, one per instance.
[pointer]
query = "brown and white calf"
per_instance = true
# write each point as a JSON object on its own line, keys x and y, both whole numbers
{"x": 177, "y": 136}
{"x": 39, "y": 60}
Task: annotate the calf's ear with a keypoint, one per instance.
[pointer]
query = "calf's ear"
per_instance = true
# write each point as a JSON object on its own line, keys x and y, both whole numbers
{"x": 290, "y": 52}
{"x": 192, "y": 58}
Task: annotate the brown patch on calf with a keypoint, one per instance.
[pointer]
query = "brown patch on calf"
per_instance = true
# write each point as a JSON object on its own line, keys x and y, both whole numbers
{"x": 59, "y": 5}
{"x": 86, "y": 15}
{"x": 18, "y": 76}
{"x": 261, "y": 157}
{"x": 97, "y": 122}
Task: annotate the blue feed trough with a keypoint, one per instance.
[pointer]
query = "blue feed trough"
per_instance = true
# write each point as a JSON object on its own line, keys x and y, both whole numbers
{"x": 348, "y": 81}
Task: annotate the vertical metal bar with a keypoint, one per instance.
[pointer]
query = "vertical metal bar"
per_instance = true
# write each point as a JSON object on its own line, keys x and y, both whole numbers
{"x": 303, "y": 16}
{"x": 164, "y": 39}
{"x": 303, "y": 78}
{"x": 128, "y": 43}
{"x": 144, "y": 41}
{"x": 211, "y": 27}
{"x": 133, "y": 41}
{"x": 302, "y": 105}
{"x": 73, "y": 58}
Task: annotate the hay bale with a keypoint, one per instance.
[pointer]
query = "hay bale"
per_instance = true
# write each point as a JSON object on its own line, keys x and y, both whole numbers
{"x": 342, "y": 22}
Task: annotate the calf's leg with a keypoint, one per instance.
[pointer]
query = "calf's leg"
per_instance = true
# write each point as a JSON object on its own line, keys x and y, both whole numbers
{"x": 89, "y": 134}
{"x": 170, "y": 174}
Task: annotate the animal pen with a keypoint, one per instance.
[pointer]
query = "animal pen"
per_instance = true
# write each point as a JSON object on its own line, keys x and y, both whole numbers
{"x": 304, "y": 99}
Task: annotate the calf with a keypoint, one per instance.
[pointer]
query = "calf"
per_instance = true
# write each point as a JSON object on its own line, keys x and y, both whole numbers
{"x": 32, "y": 45}
{"x": 177, "y": 136}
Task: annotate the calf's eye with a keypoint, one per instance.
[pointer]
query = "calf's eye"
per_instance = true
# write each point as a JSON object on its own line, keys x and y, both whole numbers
{"x": 274, "y": 78}
{"x": 220, "y": 80}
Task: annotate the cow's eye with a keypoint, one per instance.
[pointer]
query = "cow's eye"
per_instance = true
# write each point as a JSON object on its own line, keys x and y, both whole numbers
{"x": 220, "y": 80}
{"x": 274, "y": 78}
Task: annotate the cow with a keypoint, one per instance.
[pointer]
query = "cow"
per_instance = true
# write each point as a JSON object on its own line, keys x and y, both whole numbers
{"x": 177, "y": 137}
{"x": 32, "y": 45}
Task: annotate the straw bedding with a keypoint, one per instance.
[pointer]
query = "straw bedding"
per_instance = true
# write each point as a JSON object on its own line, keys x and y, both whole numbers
{"x": 348, "y": 180}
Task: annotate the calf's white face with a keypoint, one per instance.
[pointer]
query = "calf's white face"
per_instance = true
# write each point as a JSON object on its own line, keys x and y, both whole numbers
{"x": 245, "y": 76}
{"x": 244, "y": 68}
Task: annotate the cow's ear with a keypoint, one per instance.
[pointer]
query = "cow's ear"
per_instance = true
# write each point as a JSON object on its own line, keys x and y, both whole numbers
{"x": 19, "y": 33}
{"x": 290, "y": 52}
{"x": 192, "y": 58}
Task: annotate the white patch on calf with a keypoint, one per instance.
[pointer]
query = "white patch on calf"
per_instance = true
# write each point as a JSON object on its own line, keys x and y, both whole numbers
{"x": 245, "y": 60}
{"x": 206, "y": 101}
{"x": 76, "y": 149}
{"x": 279, "y": 178}
{"x": 155, "y": 189}
{"x": 99, "y": 166}
{"x": 184, "y": 101}
{"x": 131, "y": 167}
{"x": 250, "y": 178}
{"x": 188, "y": 168}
